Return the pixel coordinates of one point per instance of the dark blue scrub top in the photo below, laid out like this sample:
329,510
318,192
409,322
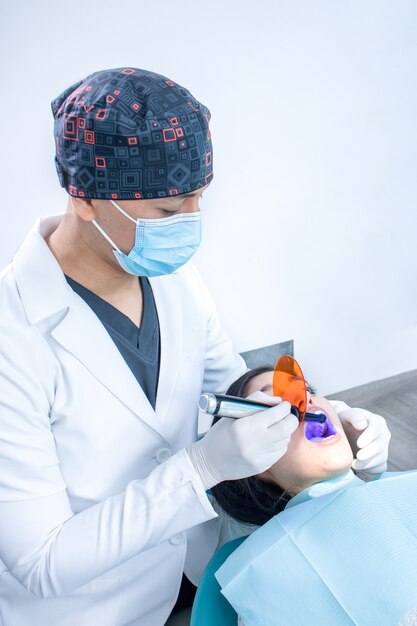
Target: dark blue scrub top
138,346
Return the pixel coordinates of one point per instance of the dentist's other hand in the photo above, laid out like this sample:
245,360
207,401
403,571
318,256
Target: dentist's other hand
368,435
237,448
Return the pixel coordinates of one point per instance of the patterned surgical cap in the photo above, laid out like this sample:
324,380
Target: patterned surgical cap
131,134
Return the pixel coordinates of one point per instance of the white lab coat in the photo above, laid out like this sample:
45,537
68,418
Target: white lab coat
97,494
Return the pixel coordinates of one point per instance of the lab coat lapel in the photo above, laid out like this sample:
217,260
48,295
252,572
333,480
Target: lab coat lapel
45,293
82,334
168,304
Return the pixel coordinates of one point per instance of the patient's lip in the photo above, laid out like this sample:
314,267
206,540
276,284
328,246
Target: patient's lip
329,441
313,431
318,409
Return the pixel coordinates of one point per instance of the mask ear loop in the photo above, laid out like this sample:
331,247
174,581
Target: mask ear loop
105,235
119,208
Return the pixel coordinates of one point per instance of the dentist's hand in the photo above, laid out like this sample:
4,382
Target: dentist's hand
237,448
368,436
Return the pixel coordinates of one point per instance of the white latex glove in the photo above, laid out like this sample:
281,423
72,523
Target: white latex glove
370,447
237,448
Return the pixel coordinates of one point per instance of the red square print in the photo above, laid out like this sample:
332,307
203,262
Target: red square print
71,127
169,134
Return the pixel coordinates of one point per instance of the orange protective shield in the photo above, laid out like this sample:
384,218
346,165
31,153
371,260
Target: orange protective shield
289,383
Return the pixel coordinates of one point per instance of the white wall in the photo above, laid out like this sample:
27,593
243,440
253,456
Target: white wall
311,221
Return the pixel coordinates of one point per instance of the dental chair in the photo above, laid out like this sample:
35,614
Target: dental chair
210,606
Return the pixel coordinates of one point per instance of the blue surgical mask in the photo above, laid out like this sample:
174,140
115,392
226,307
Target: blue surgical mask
161,245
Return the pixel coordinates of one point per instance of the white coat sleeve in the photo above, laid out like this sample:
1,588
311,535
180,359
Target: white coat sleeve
50,550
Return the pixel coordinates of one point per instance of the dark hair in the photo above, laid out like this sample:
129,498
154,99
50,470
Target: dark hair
250,500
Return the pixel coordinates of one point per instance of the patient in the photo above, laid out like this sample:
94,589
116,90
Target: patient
333,549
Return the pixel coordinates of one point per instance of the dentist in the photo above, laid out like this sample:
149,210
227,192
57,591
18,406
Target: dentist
107,338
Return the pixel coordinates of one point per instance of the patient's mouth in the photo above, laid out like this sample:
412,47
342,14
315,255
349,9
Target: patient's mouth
315,431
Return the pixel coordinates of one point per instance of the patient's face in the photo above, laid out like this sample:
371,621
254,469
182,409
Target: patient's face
310,458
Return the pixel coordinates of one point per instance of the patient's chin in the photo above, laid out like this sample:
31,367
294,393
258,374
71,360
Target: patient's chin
338,464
